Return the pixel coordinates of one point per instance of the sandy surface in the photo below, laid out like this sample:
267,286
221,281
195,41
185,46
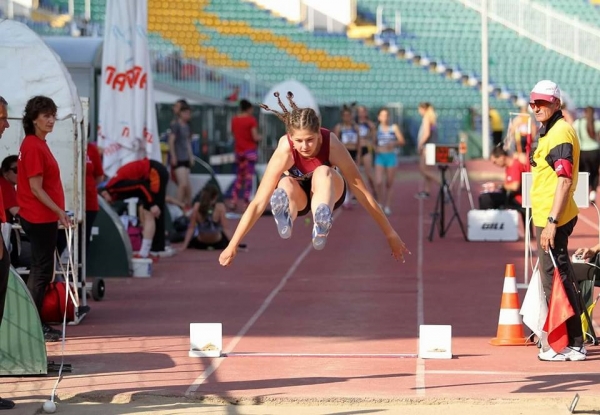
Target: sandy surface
157,405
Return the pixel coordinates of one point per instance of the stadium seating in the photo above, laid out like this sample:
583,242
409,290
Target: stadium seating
244,41
447,31
389,80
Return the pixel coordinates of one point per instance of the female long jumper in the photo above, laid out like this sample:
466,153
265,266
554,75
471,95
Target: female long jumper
302,176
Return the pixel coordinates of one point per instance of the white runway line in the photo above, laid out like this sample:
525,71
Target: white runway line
479,372
327,355
420,371
500,373
215,363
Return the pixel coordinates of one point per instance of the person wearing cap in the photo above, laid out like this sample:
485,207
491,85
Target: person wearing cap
555,168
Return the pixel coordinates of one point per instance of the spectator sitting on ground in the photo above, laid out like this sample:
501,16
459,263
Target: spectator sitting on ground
508,194
208,224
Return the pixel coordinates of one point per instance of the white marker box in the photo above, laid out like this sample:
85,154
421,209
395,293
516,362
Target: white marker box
435,342
206,339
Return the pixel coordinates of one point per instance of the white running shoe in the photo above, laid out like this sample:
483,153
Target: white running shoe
323,223
574,354
280,207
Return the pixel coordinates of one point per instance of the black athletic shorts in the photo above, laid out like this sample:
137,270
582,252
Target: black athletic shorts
306,185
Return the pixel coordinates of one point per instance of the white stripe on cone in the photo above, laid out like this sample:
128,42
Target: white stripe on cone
509,317
510,285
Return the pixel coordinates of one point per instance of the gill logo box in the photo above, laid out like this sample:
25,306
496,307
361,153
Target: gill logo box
493,225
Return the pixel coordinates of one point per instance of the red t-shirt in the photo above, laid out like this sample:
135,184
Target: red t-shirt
241,128
513,174
9,194
134,177
36,159
135,170
93,170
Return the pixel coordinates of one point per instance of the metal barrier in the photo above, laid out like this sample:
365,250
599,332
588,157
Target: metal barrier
193,75
546,26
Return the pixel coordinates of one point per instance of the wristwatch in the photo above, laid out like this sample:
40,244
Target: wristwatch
552,220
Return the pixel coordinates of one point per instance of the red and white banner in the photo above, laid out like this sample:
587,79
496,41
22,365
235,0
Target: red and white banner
127,129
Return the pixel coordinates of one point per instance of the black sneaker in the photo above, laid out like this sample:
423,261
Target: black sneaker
51,334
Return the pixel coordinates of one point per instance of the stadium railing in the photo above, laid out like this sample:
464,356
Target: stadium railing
544,25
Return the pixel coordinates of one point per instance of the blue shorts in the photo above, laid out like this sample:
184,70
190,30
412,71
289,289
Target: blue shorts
386,160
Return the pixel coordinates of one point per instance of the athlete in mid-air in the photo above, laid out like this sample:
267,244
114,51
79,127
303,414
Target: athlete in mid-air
303,175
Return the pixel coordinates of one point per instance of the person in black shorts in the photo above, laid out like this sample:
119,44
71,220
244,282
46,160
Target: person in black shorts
180,153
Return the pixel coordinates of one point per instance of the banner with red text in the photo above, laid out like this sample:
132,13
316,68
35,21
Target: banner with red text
127,129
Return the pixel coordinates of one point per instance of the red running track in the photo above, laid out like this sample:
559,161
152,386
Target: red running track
341,323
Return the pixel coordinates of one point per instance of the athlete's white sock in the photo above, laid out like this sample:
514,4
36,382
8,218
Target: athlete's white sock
145,249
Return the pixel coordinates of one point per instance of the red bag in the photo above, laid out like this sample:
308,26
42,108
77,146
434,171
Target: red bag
53,307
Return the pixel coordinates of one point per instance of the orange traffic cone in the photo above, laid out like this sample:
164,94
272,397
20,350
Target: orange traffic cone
510,326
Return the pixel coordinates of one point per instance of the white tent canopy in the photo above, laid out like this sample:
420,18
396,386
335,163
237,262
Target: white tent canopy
29,68
302,96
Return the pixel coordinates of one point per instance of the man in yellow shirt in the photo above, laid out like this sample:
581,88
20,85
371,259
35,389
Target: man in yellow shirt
497,126
555,168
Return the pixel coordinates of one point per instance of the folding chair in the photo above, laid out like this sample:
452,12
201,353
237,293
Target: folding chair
585,279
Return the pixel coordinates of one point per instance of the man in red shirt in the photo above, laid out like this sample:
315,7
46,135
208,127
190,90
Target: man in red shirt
508,194
4,258
245,133
147,180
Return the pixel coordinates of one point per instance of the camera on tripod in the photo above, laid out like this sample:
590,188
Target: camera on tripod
441,154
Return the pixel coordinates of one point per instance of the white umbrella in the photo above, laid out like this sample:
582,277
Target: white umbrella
302,96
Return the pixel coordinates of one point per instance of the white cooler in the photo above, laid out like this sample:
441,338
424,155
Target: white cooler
493,225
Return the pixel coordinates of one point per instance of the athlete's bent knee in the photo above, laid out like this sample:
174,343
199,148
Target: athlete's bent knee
286,183
322,171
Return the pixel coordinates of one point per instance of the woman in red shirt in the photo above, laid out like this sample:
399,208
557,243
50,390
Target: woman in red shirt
246,137
41,198
301,176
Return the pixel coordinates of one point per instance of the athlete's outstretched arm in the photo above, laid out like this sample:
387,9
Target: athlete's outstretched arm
279,162
340,157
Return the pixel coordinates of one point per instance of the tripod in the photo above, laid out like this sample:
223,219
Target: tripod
440,208
461,173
